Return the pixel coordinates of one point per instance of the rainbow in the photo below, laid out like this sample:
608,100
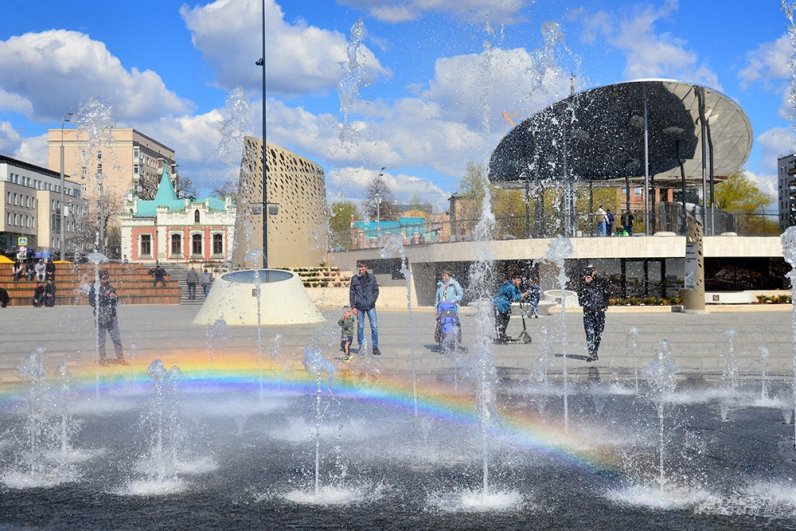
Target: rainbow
243,372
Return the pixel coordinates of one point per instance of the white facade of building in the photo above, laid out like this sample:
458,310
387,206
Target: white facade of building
31,208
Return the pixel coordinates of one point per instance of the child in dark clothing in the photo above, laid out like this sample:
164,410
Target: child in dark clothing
346,322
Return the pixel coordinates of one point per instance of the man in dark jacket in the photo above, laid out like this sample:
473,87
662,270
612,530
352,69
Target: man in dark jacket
593,295
192,279
159,275
104,304
362,296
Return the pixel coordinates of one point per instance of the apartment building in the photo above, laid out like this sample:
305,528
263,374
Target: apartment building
31,211
127,160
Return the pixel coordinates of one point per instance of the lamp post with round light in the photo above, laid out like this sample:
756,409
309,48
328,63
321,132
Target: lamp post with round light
62,209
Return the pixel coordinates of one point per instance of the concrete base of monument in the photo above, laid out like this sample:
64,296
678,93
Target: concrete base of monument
234,298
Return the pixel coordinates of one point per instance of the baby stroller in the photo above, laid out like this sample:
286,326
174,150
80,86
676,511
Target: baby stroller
448,333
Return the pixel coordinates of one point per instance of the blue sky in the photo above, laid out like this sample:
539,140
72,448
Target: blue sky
436,75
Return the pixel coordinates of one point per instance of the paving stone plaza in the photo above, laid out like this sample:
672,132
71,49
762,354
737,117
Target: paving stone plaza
698,341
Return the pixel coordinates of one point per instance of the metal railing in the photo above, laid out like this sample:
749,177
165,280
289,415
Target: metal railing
668,218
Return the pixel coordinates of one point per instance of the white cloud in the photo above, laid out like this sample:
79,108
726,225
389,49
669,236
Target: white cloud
649,54
502,80
476,11
774,143
195,140
33,150
767,62
46,73
350,183
9,138
767,184
299,58
442,130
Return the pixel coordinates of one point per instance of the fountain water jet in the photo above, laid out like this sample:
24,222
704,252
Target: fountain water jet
560,249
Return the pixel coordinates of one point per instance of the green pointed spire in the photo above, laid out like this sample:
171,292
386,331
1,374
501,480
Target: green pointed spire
165,189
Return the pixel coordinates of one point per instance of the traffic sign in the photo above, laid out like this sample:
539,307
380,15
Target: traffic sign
22,241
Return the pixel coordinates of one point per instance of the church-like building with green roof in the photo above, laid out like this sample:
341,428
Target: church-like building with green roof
168,229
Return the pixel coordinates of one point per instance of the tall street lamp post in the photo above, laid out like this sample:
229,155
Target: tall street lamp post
62,213
261,62
377,199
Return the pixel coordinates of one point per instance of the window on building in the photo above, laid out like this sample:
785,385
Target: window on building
218,244
10,220
9,198
135,169
16,219
196,216
196,244
176,244
146,245
16,199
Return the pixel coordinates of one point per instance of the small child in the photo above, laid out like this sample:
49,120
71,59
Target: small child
347,323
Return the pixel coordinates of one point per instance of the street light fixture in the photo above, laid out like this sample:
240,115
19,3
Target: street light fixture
67,118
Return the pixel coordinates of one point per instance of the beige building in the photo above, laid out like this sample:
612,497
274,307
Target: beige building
130,160
298,215
31,210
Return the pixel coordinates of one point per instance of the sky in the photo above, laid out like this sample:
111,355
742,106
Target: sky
416,87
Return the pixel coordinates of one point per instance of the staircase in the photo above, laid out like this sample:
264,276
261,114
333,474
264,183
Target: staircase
178,274
132,281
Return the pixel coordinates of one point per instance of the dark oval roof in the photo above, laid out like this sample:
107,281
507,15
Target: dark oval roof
603,129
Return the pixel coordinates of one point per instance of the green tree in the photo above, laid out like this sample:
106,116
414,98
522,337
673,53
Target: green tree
471,197
739,195
341,214
507,205
387,208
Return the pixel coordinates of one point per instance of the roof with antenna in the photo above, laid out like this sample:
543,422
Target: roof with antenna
598,135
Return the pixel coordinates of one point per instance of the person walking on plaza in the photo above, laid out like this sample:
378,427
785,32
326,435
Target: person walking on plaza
362,295
626,219
593,294
601,220
104,303
4,298
448,290
346,324
192,280
609,223
507,293
207,282
159,275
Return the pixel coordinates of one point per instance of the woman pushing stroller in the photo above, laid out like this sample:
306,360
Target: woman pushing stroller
449,295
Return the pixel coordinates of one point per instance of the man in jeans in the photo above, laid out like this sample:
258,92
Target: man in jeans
362,296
